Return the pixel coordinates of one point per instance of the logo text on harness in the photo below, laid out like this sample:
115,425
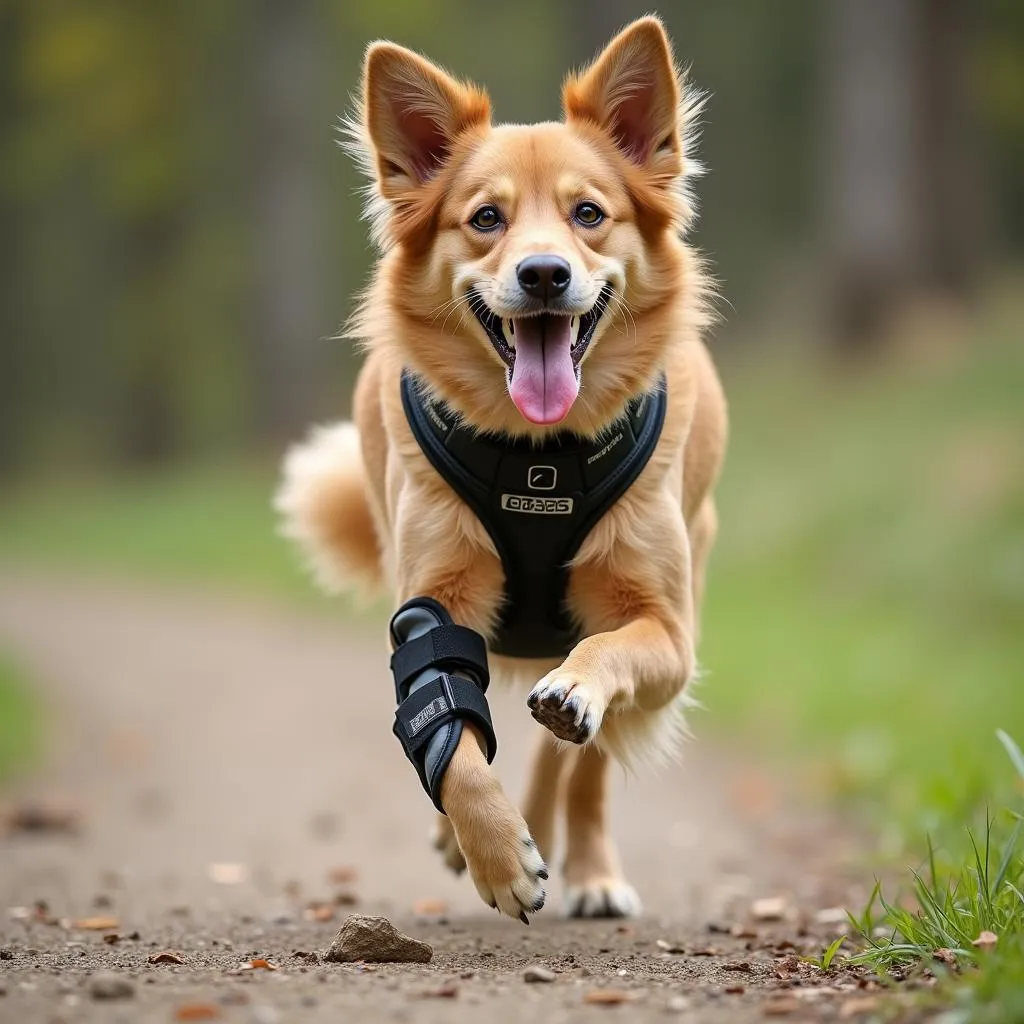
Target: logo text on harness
541,478
606,449
538,506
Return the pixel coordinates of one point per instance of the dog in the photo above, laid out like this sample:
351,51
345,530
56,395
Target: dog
535,282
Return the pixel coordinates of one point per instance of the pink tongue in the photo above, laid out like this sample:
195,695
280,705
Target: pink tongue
543,384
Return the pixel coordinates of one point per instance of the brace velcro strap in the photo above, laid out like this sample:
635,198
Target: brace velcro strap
442,700
448,648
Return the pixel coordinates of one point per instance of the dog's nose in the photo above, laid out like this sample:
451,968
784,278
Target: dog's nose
544,277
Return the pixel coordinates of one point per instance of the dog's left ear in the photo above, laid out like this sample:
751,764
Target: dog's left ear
632,92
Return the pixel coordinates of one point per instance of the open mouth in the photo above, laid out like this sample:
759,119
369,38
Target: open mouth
542,353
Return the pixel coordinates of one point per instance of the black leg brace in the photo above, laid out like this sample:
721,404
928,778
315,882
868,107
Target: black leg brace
441,676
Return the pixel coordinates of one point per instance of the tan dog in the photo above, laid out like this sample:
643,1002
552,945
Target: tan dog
598,206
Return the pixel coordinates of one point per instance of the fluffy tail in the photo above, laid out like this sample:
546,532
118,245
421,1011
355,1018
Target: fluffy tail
323,504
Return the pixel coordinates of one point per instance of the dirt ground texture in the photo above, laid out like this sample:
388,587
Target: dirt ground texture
239,793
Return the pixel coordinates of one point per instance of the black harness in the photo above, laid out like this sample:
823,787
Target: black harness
538,503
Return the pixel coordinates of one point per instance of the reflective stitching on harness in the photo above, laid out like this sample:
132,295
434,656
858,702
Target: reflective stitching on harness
538,503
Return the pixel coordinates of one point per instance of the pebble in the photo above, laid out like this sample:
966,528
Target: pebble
376,940
537,974
678,1004
107,985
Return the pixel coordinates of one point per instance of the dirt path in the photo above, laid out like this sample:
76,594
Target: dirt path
192,732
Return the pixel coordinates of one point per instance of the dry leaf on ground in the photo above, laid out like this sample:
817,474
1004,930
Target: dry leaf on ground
857,1007
781,1006
228,874
259,964
606,997
166,957
319,912
342,875
429,908
198,1011
95,924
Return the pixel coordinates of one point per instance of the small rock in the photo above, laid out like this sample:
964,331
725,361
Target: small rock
678,1004
535,974
265,1015
376,940
669,947
446,991
831,915
42,817
772,908
986,940
107,985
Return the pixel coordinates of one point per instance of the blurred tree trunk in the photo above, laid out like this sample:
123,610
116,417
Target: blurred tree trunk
286,209
901,191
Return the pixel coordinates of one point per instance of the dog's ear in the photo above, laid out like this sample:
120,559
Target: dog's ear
413,113
632,92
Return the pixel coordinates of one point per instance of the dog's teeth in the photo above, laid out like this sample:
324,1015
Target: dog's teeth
508,331
574,331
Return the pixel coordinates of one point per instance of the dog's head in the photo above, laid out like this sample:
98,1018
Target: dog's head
519,260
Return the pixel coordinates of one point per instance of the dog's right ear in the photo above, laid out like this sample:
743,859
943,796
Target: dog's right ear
413,113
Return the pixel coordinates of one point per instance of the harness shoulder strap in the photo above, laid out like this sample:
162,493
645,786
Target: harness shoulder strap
537,503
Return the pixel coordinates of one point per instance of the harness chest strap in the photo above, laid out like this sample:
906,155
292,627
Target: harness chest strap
538,503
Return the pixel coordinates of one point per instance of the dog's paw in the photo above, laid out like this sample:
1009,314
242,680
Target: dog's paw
445,842
510,875
562,704
602,897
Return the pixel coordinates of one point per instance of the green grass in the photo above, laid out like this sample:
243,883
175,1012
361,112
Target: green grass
964,920
207,524
866,602
19,720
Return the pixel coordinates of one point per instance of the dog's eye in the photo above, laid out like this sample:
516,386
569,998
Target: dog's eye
486,218
589,215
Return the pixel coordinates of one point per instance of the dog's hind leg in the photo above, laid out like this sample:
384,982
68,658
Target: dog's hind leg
545,789
594,886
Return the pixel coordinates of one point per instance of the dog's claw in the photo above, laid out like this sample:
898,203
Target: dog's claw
561,705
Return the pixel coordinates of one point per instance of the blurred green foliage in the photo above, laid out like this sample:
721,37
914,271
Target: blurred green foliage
865,597
19,719
145,143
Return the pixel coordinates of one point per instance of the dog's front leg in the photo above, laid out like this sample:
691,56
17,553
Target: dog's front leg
639,667
502,858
